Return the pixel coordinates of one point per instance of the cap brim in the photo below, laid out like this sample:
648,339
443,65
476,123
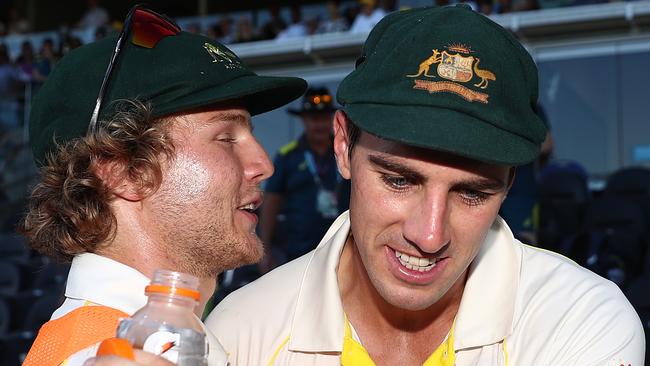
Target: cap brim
259,94
444,130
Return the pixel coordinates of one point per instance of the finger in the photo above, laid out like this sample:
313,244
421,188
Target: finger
110,361
146,358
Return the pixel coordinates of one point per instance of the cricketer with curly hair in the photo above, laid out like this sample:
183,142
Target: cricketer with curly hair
160,171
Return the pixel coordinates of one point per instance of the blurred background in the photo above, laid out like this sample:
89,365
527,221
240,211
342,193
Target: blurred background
587,197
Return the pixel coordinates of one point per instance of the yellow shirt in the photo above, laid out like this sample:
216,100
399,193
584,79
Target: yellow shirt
355,355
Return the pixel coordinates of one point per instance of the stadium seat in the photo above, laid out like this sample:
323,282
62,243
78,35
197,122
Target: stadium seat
5,317
14,347
41,311
612,241
51,277
634,184
563,198
19,305
9,279
13,247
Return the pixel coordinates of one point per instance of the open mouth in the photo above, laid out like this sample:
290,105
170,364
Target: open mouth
416,263
252,205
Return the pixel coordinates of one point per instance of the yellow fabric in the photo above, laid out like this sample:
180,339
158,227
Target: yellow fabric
275,354
355,355
81,328
284,150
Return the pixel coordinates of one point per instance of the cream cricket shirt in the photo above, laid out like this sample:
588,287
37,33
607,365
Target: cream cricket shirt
521,307
97,280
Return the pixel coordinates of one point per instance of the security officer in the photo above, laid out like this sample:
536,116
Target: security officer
306,193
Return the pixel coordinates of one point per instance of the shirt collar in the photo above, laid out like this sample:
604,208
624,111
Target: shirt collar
104,281
318,323
486,308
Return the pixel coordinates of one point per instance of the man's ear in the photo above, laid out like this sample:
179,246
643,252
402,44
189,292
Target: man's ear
114,177
342,143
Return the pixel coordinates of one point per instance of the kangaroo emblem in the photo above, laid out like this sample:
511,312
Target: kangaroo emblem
229,59
485,75
426,65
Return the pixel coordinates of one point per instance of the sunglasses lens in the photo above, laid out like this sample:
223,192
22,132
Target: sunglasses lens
149,28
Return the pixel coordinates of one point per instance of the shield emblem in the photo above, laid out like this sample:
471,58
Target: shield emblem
456,67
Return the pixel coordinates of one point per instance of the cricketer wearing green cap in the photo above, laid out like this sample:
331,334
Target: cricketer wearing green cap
421,271
148,162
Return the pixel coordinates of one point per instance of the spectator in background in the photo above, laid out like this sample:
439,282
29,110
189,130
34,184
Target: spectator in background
45,61
10,80
100,33
227,35
70,42
370,15
520,207
245,31
95,15
17,24
306,193
485,6
274,25
26,61
297,28
335,22
194,28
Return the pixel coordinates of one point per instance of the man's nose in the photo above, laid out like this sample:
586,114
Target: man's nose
428,225
258,167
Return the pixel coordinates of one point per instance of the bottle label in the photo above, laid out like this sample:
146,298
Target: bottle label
180,346
163,343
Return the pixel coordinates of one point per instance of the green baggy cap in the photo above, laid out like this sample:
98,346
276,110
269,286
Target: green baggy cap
448,79
181,72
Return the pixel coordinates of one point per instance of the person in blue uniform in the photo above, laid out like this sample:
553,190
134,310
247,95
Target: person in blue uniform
306,193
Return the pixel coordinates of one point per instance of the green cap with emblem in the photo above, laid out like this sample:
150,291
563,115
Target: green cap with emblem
448,79
181,72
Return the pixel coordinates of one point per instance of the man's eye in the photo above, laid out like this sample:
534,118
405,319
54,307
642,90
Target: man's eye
226,139
395,181
473,198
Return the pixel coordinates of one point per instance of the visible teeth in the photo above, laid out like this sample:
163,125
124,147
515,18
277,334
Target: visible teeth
248,207
415,263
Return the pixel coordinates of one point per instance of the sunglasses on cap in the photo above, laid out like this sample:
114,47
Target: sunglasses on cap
146,28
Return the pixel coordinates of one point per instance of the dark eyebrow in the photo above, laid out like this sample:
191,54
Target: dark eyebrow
395,167
482,184
478,184
233,117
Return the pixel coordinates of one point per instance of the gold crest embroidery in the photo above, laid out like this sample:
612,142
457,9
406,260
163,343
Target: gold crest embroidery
225,57
458,66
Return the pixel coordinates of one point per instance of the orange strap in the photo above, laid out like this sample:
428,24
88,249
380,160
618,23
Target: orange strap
63,337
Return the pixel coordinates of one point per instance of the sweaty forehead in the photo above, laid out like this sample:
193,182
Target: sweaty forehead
217,115
412,156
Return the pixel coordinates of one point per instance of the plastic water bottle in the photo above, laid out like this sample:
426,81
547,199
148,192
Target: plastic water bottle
167,326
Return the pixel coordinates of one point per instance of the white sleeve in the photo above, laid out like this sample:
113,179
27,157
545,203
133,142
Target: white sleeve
603,331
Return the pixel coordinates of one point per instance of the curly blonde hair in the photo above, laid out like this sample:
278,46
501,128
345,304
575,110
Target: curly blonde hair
69,211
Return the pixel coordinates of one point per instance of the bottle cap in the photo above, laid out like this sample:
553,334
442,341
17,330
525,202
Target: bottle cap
174,284
116,347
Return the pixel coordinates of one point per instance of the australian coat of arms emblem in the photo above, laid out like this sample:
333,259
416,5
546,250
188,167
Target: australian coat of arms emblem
458,66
